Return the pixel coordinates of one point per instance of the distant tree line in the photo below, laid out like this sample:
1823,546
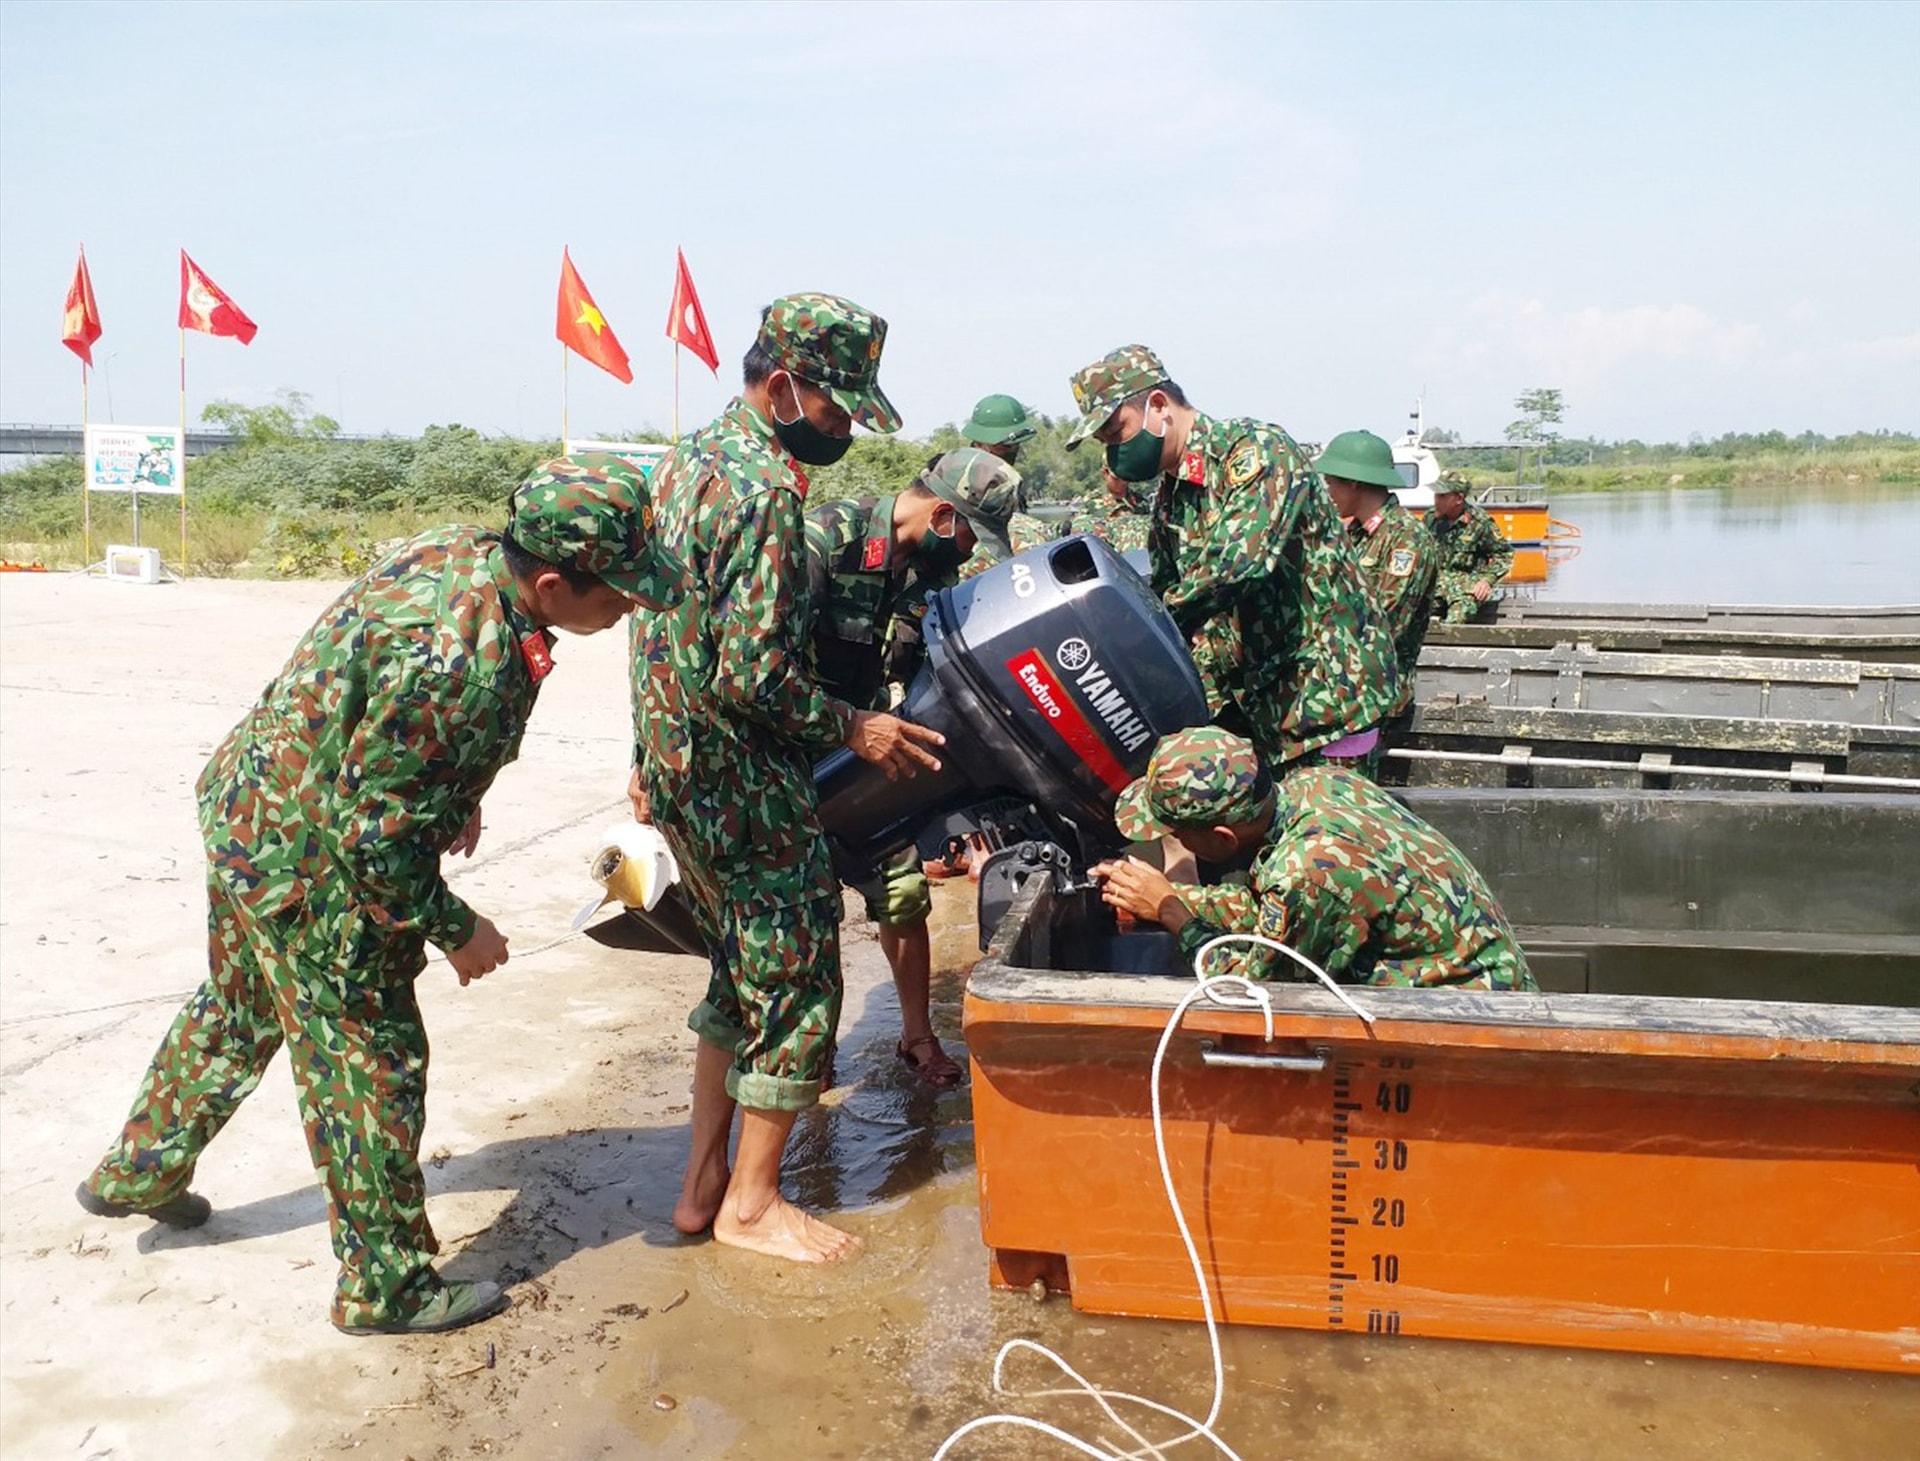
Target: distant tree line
289,471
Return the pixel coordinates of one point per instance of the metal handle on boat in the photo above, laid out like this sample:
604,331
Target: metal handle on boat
1212,1054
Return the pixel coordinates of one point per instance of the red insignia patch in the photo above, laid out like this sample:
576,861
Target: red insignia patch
534,650
1193,467
876,554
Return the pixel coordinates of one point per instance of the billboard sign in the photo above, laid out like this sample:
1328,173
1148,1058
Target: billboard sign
146,459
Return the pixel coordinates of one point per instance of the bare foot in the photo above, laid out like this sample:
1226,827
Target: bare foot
701,1194
782,1230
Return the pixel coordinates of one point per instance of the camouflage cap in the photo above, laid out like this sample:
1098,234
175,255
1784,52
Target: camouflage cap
998,421
982,487
1101,388
592,511
1451,481
832,343
1203,777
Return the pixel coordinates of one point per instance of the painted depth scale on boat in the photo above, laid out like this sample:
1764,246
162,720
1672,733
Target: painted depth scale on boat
1729,1177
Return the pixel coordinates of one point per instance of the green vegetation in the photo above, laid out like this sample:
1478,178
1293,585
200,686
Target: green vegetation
1587,464
1603,466
286,501
291,500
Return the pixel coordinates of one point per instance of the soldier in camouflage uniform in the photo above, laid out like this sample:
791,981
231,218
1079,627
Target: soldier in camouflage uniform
1024,531
1474,554
730,722
1124,519
872,565
1250,560
1397,557
1342,872
999,425
326,814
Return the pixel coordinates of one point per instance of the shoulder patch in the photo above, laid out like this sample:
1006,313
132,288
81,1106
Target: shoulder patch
875,555
1400,562
1272,920
1245,463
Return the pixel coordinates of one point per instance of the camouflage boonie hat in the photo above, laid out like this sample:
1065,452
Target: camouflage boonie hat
1450,481
980,486
1101,388
998,421
1204,777
832,343
592,511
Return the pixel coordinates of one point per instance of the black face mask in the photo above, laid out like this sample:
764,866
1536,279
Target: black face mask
806,442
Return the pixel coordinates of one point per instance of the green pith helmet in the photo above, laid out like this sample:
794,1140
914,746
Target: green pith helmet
1360,456
998,421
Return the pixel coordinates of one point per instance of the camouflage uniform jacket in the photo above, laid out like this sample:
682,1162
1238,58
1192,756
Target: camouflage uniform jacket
730,718
1365,889
866,613
1472,547
1025,530
1249,557
368,753
1124,529
1398,559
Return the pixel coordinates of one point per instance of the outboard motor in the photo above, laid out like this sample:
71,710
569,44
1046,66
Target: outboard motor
1052,676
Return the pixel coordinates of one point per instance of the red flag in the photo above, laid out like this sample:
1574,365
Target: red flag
583,329
81,326
204,306
687,322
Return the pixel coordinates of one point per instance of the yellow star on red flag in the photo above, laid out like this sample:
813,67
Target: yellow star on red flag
583,329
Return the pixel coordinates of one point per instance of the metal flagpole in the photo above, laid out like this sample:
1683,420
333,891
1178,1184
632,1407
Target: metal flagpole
181,485
86,497
565,404
676,393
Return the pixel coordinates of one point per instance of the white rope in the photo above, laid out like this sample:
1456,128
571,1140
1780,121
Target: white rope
1230,991
1200,959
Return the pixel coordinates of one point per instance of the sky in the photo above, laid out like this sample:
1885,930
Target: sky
1688,218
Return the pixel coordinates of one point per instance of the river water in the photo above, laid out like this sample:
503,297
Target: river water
1766,543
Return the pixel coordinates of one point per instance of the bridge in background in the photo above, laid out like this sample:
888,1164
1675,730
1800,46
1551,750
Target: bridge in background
20,440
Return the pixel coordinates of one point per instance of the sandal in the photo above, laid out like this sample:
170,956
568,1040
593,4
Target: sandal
926,1059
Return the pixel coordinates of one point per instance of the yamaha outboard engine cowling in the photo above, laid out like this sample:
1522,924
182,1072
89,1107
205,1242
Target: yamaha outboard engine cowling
1052,676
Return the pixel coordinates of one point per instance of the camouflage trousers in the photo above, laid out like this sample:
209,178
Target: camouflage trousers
897,896
773,998
1453,601
359,1058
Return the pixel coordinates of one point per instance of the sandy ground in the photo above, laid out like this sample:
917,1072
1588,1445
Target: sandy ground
555,1136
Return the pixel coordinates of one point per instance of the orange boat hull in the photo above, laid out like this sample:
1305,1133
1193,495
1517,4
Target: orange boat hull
1521,524
1742,1195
